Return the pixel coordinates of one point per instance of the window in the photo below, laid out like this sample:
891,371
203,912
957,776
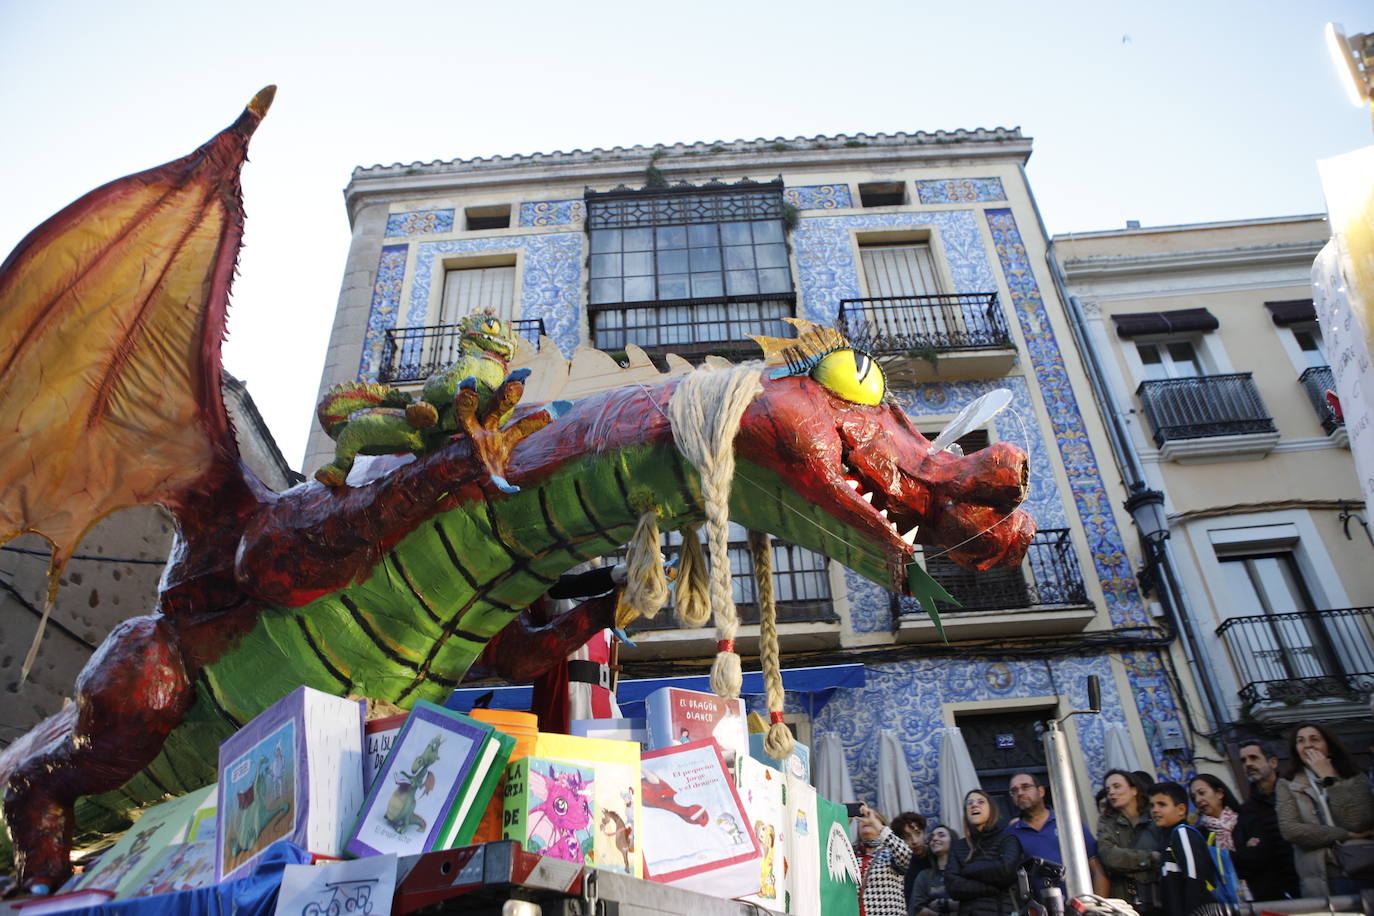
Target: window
1169,359
494,217
882,194
903,269
690,267
1308,337
469,289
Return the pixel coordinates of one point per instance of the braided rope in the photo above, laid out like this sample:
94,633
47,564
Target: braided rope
692,597
646,587
778,741
705,411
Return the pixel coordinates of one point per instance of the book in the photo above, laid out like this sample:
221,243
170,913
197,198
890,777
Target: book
823,869
612,730
522,726
61,903
761,790
426,795
695,832
616,803
378,737
677,716
181,867
797,763
294,773
122,868
548,808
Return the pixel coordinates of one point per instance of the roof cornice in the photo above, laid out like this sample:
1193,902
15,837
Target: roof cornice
1304,251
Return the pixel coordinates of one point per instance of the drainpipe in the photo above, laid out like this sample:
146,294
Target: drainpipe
1177,608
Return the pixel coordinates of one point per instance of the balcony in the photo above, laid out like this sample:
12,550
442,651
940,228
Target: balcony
411,355
1208,418
928,337
1049,581
692,328
1284,660
1316,382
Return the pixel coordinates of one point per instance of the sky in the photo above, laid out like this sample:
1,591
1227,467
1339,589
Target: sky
1164,112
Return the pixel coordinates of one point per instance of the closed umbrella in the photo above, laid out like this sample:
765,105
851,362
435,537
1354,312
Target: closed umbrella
895,793
1117,750
832,772
957,776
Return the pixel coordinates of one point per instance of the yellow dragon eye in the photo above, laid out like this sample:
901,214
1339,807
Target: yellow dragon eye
852,375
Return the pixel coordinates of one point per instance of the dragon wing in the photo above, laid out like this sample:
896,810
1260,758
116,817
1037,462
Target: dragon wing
112,314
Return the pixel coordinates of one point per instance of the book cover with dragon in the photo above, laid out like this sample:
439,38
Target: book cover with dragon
676,716
616,802
549,808
122,868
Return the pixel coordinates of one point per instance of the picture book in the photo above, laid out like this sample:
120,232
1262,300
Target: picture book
797,763
294,773
121,869
677,716
424,785
616,799
549,810
181,867
378,736
822,867
761,790
695,832
612,730
522,727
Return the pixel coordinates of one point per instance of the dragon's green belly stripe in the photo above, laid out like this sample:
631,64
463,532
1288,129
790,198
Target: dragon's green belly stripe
418,622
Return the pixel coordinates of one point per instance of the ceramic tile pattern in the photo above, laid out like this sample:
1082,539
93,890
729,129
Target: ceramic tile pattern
819,197
960,190
552,213
419,222
386,302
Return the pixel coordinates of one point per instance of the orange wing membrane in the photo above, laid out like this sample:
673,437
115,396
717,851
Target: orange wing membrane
111,319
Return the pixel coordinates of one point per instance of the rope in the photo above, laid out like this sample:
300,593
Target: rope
693,586
778,741
646,587
705,411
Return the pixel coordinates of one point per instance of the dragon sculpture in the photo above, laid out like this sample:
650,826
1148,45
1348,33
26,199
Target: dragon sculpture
391,589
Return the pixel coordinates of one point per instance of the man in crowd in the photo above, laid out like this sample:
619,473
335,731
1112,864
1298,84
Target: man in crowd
1263,858
1038,830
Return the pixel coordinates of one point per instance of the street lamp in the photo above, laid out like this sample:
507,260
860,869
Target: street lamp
1354,60
1147,511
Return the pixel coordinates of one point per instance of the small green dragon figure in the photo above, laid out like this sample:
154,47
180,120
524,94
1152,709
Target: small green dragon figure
391,589
366,418
253,815
410,786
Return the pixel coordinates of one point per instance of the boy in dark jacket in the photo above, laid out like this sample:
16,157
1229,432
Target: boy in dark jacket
1186,871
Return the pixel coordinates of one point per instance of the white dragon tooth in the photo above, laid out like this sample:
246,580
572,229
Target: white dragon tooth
868,497
853,484
883,513
910,536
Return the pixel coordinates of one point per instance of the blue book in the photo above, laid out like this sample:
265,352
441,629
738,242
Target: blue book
797,764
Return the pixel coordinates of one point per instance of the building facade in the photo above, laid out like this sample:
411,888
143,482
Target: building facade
928,250
1219,378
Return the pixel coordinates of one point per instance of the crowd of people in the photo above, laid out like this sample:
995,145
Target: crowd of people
1307,831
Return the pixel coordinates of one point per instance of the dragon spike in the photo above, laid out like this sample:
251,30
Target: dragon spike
811,339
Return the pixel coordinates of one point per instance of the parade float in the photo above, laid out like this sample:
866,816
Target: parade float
388,590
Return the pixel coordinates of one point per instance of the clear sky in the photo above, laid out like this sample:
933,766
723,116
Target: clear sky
1165,112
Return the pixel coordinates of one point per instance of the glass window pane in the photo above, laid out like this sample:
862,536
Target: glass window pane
768,231
735,234
741,282
775,281
706,286
673,286
705,259
639,289
672,262
740,258
638,239
771,255
672,237
605,240
1184,359
639,264
702,235
605,291
605,265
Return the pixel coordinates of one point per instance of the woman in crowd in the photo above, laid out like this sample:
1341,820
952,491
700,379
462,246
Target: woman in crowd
928,896
883,860
1218,809
980,872
1127,842
1324,801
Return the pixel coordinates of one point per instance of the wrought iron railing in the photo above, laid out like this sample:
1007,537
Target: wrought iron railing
414,354
1050,577
1303,655
1317,381
1202,406
906,324
692,327
801,586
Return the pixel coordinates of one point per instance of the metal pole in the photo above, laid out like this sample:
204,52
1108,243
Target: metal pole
1072,850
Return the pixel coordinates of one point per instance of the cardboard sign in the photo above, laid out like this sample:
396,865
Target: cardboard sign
359,887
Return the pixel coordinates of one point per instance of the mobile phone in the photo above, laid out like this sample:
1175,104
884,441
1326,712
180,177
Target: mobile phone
854,809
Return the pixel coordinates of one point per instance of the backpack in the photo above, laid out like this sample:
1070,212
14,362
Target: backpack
1225,883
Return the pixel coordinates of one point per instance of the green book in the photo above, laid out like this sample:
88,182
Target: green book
549,808
460,826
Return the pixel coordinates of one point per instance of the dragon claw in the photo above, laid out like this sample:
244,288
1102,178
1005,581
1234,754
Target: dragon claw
504,485
519,375
468,384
